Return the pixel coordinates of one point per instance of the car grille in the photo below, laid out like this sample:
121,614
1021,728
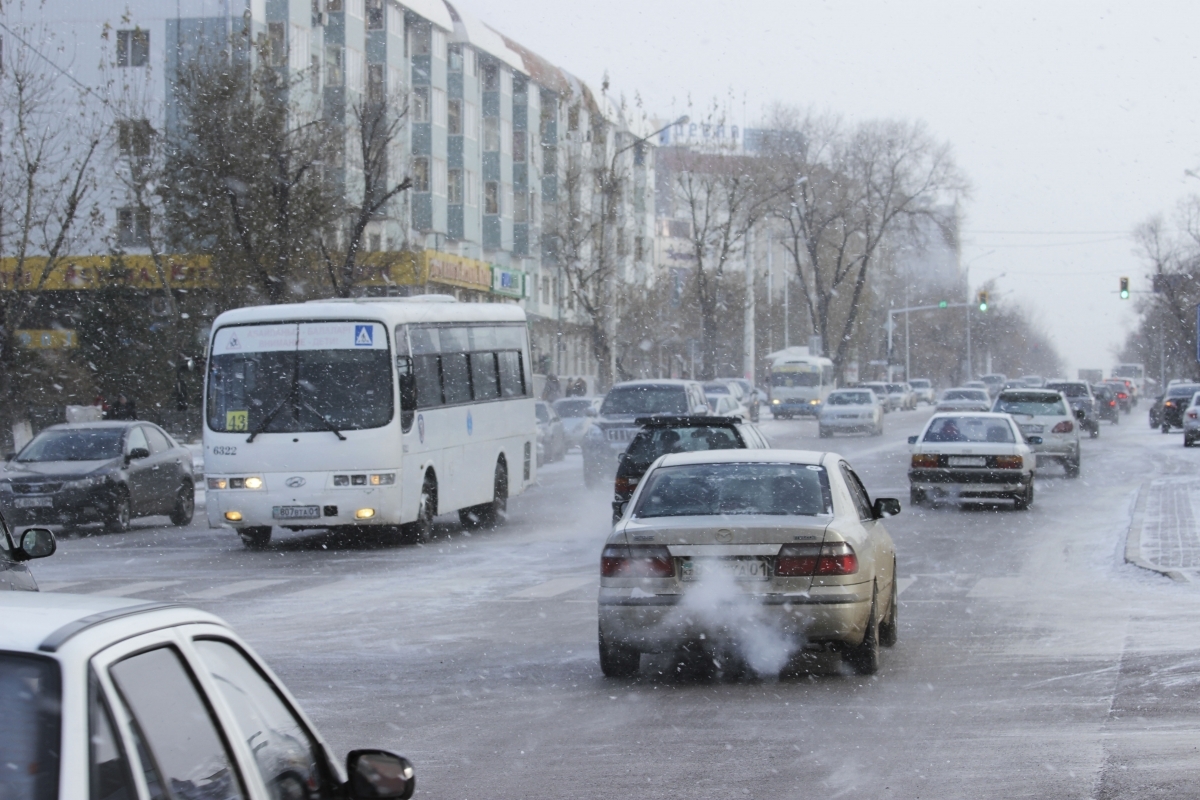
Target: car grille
621,434
36,488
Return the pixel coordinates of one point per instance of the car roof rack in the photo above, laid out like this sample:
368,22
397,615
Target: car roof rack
58,638
669,421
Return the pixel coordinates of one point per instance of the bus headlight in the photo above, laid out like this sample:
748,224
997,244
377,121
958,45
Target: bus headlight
254,483
364,513
233,516
217,483
775,401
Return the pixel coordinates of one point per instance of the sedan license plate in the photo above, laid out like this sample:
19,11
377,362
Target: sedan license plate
968,461
33,502
739,569
296,512
1032,428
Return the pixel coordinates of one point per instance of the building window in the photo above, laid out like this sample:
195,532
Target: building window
375,85
374,243
314,73
276,44
491,134
133,137
420,36
335,72
521,207
455,58
454,187
549,160
420,104
573,118
133,48
639,248
333,6
133,227
520,146
454,117
491,197
545,290
491,77
374,15
420,175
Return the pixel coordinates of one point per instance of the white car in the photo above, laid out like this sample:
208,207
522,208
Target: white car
113,697
1045,414
923,389
721,551
850,411
575,416
725,405
964,399
1191,422
971,457
732,388
900,396
881,391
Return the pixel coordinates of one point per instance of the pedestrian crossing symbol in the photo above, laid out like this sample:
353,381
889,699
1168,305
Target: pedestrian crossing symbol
364,336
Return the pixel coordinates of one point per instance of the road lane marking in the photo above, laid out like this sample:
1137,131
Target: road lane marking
135,588
237,587
552,588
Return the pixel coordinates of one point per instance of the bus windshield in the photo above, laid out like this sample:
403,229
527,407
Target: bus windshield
260,383
794,380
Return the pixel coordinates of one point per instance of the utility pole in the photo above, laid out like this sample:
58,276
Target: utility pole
970,368
748,309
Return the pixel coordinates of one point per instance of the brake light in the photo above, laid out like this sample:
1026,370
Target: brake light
805,560
1112,402
924,460
651,561
1122,395
1066,426
1008,462
1192,414
624,486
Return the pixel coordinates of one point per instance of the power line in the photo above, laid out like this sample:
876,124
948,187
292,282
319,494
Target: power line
49,61
1049,233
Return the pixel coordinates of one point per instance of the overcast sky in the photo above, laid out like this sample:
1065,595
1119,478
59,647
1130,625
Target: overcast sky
1074,120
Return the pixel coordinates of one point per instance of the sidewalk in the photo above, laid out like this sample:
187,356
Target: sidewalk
1165,532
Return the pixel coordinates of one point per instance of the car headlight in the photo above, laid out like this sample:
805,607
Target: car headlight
775,401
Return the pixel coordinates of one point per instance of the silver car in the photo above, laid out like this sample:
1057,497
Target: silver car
576,414
1045,414
1191,422
971,457
964,399
749,557
850,411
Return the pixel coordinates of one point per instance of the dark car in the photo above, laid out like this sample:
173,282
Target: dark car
615,425
1079,395
15,550
107,472
1174,402
1106,403
1124,394
662,435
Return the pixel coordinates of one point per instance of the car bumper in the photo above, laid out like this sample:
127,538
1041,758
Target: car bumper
68,507
257,507
848,424
658,623
970,483
797,407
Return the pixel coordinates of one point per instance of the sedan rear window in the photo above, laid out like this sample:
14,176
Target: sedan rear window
638,400
652,443
1070,389
736,489
30,698
970,429
965,394
1036,404
1183,390
95,444
851,399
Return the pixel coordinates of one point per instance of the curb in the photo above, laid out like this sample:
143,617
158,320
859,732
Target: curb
1133,541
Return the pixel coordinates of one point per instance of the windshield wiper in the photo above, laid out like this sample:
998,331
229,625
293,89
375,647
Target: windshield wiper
329,426
262,426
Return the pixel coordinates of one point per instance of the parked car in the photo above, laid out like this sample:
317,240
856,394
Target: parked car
964,399
614,427
791,535
1176,400
108,472
971,457
113,697
16,550
1045,414
662,435
923,389
1079,396
550,433
850,411
1106,403
880,390
576,415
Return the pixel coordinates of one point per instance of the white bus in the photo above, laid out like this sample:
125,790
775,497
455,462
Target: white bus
367,412
799,382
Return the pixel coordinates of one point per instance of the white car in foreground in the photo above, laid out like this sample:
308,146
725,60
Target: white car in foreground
964,399
971,457
749,556
113,697
850,411
1044,413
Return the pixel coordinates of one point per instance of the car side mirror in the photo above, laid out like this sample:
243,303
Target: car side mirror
885,507
1080,413
136,453
379,775
1033,440
912,440
35,543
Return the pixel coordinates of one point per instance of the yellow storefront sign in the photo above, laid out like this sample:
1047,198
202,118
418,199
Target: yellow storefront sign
427,266
53,339
83,273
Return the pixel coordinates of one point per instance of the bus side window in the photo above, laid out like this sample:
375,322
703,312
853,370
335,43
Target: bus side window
512,377
408,392
483,376
428,381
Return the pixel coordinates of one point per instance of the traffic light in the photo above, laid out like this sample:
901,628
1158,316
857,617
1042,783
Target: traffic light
943,304
983,301
1124,288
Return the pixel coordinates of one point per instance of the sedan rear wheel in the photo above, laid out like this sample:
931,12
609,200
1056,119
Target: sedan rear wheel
864,658
889,626
916,497
1023,501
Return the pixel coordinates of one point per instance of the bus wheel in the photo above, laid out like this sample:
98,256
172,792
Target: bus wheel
256,538
421,529
495,513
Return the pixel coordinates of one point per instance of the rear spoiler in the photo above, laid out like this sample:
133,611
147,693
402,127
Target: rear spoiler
668,421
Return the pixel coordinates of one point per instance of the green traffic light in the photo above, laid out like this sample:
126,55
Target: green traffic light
1124,294
942,304
983,306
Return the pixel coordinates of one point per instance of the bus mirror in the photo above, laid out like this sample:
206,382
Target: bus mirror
404,365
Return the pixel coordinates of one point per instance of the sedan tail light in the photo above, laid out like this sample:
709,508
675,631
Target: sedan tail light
1066,426
1192,414
650,561
1008,462
806,560
924,460
1112,402
624,486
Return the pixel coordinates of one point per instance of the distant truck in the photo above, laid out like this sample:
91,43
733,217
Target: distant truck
1091,375
1135,373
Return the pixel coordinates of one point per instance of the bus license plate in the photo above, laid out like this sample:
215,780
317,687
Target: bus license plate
33,502
296,512
739,569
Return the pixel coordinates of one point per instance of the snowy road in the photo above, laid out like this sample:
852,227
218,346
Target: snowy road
1032,661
